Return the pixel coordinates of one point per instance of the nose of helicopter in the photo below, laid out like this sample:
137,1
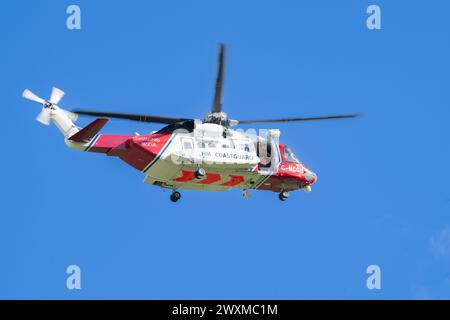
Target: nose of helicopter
310,176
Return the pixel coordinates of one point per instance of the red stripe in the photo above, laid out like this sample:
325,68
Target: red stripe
234,180
187,176
211,178
106,142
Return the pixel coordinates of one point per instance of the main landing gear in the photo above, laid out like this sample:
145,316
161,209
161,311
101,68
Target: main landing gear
175,196
284,195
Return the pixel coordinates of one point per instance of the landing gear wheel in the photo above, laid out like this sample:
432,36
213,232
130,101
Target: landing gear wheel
284,195
200,173
175,196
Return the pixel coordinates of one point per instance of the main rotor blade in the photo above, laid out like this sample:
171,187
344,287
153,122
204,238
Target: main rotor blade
217,103
56,95
71,115
128,116
343,116
27,94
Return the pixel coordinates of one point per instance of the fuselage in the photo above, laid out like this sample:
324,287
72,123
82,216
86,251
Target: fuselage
231,159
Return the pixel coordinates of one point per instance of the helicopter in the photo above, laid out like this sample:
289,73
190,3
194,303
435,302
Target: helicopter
194,154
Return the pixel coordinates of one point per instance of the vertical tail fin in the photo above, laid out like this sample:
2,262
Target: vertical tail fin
88,133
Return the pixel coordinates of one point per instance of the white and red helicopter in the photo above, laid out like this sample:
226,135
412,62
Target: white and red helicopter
191,154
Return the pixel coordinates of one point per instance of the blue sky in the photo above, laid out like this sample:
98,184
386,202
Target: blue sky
382,196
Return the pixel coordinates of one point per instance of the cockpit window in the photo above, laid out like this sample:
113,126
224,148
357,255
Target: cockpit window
289,156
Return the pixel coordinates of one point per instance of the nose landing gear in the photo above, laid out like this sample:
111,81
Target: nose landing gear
175,196
284,195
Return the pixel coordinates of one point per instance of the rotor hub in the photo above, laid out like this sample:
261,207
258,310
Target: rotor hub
217,118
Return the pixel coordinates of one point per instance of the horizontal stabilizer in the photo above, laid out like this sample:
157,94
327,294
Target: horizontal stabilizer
87,133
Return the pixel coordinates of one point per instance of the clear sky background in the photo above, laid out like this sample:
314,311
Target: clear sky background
382,196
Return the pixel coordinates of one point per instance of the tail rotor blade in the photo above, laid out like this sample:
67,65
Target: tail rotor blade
49,106
56,96
27,94
44,116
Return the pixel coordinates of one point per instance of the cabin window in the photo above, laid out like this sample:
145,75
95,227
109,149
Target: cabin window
245,147
201,145
227,144
187,144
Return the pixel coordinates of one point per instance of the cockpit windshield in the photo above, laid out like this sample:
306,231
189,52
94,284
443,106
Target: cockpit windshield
290,156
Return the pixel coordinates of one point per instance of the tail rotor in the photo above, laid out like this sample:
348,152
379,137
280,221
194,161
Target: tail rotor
48,106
